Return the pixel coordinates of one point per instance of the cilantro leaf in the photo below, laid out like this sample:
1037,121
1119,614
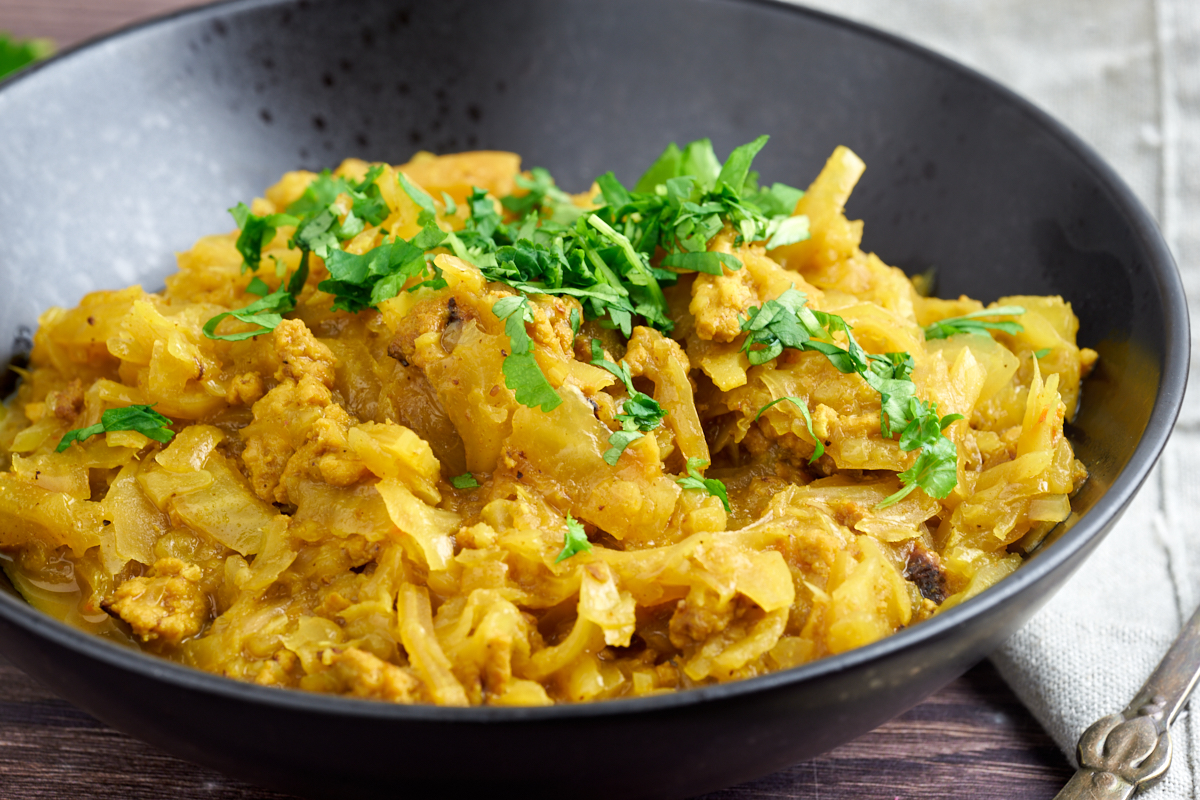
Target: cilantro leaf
1045,351
575,541
778,201
935,471
464,481
421,198
266,312
786,230
256,233
142,419
737,166
665,167
258,286
521,371
709,262
700,161
775,325
358,282
974,324
639,414
819,450
711,486
786,322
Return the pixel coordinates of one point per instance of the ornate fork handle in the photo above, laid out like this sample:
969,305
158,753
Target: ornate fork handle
1122,753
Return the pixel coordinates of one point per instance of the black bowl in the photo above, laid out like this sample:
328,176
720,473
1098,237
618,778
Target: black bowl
117,154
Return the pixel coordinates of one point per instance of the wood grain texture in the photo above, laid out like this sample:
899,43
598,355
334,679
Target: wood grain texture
971,740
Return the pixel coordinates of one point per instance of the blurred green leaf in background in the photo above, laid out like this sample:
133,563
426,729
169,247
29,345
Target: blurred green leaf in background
18,53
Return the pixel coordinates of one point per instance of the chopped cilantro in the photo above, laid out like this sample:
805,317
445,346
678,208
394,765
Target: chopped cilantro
552,246
358,282
1045,351
974,324
142,419
639,414
798,403
575,540
256,233
521,371
258,286
787,322
464,481
935,471
696,480
266,312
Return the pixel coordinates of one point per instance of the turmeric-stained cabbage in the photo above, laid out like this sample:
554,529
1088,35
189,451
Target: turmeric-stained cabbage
360,498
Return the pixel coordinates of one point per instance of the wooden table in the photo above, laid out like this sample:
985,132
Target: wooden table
971,740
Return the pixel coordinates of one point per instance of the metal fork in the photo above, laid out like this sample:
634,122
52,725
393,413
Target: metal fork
1122,753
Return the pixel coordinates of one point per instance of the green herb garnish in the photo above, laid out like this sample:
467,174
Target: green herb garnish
256,233
464,481
974,323
359,282
711,486
142,419
319,231
819,450
575,541
521,371
787,322
639,414
603,258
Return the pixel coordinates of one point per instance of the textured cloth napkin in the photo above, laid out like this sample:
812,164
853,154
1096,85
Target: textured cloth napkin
1125,76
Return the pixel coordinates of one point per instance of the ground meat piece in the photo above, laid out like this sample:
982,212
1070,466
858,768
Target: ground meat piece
67,403
365,675
698,617
167,604
301,355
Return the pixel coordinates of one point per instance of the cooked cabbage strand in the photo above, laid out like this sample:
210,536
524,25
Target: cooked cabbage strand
469,439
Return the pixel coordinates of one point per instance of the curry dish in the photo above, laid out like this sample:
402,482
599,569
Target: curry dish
442,433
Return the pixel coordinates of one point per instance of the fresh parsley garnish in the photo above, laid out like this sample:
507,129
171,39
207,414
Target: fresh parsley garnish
359,282
639,414
711,486
575,541
521,371
464,481
318,230
787,322
142,419
605,258
798,403
17,54
266,312
974,323
1045,351
256,233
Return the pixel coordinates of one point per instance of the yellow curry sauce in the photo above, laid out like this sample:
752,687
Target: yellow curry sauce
305,528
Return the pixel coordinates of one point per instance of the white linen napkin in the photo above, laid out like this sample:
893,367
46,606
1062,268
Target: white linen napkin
1125,76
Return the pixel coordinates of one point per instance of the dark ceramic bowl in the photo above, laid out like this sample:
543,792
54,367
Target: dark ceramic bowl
116,155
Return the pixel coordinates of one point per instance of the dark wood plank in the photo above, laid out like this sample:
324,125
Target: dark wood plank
69,22
973,739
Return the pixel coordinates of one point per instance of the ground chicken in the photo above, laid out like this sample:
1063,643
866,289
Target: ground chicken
166,604
365,675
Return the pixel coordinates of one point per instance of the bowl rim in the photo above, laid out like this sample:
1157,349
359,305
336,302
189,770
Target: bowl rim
1087,531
